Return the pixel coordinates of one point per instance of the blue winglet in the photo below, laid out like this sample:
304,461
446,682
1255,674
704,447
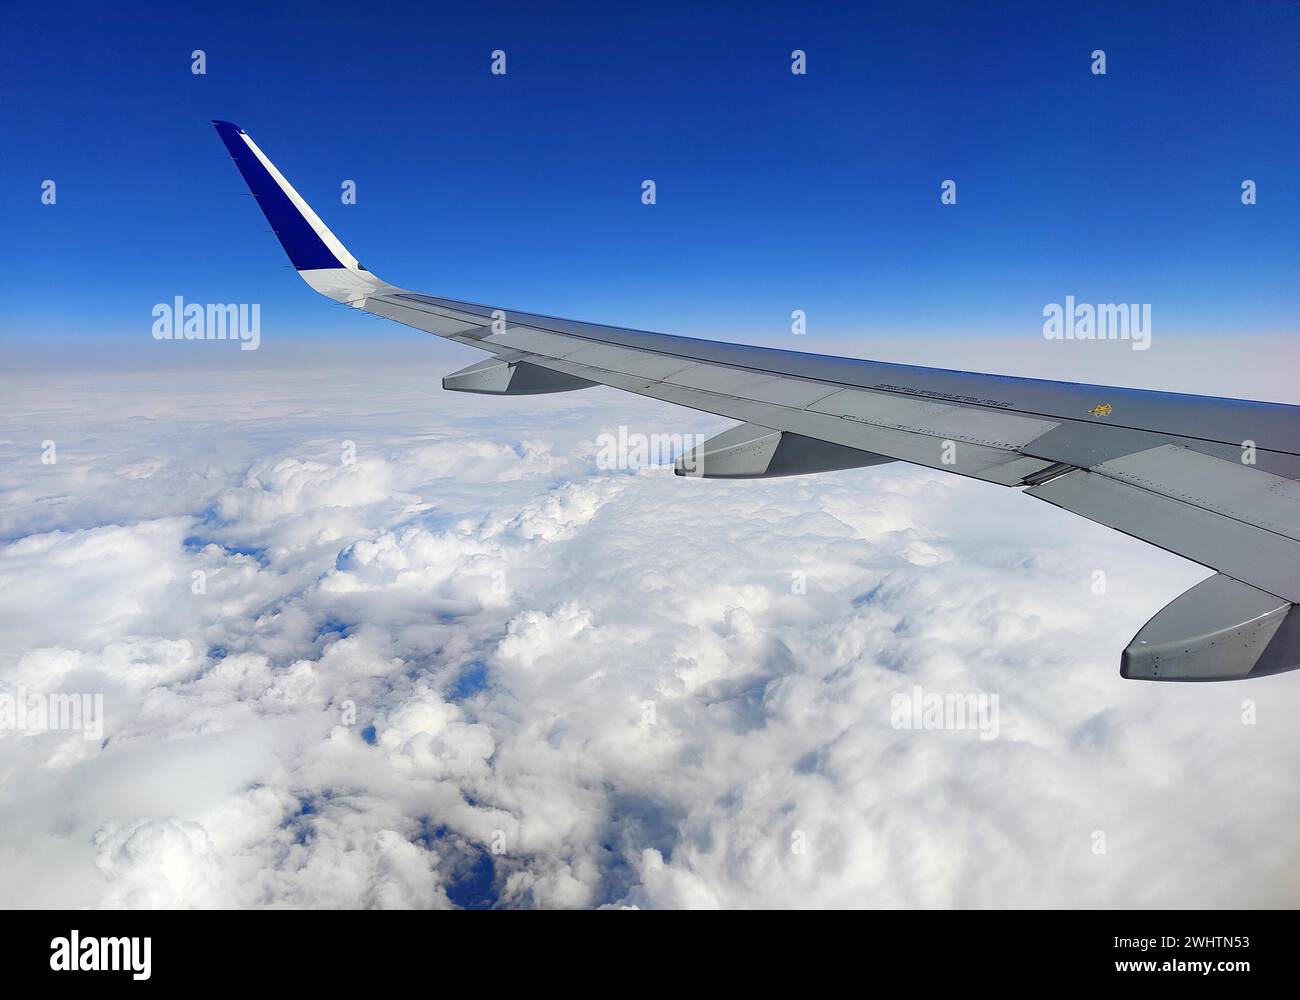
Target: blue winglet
297,235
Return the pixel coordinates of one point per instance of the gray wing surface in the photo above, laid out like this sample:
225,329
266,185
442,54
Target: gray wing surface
1210,479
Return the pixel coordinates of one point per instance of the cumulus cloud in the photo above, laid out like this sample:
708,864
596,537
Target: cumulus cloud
429,655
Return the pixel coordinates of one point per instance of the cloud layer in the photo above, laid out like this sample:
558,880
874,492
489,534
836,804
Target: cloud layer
365,643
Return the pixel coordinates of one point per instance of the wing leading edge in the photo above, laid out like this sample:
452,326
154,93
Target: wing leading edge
1211,479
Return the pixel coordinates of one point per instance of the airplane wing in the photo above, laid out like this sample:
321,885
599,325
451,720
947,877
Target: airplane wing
1213,480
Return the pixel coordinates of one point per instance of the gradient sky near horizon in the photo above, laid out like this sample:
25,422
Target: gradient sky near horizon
775,191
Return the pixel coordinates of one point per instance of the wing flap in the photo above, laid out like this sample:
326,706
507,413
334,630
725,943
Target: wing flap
1243,551
995,465
793,392
1234,490
991,428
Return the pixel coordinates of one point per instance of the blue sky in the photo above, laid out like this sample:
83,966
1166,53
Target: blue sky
775,192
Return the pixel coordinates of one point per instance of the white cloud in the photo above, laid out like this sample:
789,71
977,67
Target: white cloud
468,667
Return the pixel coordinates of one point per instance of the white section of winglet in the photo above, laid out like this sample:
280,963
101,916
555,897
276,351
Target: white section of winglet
349,287
329,239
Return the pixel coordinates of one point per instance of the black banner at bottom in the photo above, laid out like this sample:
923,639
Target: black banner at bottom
351,949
